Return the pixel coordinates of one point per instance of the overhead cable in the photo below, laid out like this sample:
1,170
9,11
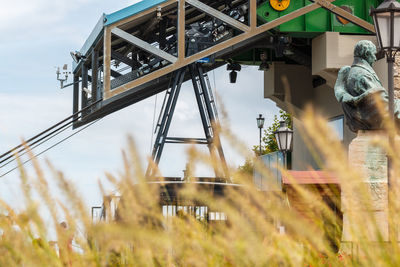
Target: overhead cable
47,149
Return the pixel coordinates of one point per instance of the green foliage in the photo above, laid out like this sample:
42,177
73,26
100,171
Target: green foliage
297,227
247,167
268,141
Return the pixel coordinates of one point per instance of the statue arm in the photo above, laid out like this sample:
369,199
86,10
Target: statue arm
368,86
340,87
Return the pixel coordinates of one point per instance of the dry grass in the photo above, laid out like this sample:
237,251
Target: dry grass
250,236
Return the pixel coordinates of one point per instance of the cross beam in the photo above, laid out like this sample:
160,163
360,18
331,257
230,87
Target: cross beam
182,61
219,15
143,45
344,14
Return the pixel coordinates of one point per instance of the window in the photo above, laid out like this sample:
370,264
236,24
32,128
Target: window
337,124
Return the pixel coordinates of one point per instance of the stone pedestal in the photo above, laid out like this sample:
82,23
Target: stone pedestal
365,200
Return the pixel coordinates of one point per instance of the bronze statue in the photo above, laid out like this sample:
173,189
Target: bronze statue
358,89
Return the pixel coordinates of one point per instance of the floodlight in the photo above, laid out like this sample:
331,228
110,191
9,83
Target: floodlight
77,56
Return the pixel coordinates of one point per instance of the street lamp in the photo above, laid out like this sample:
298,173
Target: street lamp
260,125
387,26
284,137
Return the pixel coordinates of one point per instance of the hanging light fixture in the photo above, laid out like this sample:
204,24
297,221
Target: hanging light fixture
387,26
264,66
77,56
233,67
284,137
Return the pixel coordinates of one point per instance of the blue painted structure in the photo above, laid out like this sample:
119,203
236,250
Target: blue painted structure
107,20
131,10
272,182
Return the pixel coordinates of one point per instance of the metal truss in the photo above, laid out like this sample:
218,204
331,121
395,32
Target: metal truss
247,32
208,114
125,37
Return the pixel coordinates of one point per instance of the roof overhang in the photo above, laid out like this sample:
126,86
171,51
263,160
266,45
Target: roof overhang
309,178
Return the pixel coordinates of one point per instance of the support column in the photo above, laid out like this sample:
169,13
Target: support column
95,73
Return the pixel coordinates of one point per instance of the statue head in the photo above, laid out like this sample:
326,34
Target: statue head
366,50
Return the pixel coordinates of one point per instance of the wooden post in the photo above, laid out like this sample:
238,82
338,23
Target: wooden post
253,14
181,30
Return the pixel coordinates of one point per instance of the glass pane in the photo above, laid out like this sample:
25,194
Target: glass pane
337,125
278,141
284,140
397,30
384,28
289,140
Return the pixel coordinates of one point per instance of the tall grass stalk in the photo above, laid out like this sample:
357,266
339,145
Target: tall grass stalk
143,236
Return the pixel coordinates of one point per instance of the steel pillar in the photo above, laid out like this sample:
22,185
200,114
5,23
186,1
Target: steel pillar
208,115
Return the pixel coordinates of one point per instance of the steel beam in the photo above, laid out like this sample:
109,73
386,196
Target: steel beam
219,15
121,58
115,74
181,29
85,78
95,71
143,45
75,103
344,14
144,13
182,140
214,49
107,63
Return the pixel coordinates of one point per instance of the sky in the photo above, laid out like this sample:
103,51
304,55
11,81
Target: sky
37,36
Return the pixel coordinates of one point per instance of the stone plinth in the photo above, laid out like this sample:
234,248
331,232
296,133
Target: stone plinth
366,197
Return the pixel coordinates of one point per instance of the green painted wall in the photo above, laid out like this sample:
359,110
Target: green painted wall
319,20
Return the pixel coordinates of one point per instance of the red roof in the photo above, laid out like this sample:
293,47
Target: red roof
309,177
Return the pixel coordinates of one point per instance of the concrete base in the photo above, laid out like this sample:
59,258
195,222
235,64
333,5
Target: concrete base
365,202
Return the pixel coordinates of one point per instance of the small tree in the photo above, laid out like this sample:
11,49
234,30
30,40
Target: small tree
268,141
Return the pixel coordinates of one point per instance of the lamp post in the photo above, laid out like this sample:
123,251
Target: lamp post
260,125
387,26
284,137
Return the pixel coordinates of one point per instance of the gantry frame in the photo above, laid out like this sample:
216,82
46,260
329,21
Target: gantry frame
101,53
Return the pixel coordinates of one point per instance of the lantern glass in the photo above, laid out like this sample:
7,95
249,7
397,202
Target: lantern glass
283,141
284,137
278,141
396,34
289,140
260,122
383,20
387,24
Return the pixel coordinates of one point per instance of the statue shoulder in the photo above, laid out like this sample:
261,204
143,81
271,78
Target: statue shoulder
340,86
344,72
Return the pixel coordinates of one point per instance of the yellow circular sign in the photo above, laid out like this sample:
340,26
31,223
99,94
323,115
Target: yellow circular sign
279,5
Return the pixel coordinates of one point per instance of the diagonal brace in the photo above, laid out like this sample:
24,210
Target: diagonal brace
143,45
219,15
346,15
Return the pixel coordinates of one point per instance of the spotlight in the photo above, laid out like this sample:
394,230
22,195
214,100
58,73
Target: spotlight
264,66
233,67
77,56
233,76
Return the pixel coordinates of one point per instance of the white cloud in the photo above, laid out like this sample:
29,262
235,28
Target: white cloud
28,104
44,20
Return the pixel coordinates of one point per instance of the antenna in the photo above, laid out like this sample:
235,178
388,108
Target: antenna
62,76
